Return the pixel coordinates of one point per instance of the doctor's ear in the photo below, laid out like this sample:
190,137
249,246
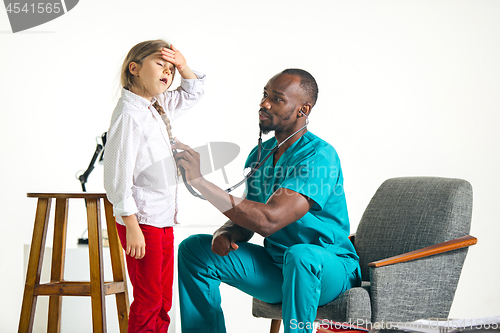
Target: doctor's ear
305,110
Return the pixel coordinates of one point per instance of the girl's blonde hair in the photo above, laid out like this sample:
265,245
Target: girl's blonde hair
137,54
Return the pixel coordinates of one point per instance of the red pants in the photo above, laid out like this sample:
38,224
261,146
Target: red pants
152,278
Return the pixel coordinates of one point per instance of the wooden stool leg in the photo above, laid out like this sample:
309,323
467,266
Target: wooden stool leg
57,268
34,265
96,265
275,325
118,267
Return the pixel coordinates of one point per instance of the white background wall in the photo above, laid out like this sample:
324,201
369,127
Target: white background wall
407,88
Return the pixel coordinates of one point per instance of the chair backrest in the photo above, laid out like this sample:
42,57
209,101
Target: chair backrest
410,213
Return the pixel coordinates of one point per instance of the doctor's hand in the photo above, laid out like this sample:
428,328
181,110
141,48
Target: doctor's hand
223,243
188,159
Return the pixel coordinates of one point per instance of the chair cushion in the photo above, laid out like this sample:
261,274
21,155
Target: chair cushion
352,305
262,309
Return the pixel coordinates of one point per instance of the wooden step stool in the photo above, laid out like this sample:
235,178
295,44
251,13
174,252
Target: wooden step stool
58,287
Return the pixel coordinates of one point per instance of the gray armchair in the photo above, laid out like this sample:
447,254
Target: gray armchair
412,241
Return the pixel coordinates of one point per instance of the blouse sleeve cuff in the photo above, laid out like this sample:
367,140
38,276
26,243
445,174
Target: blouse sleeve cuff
193,84
125,207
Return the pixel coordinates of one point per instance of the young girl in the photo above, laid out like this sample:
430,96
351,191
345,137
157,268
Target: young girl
140,176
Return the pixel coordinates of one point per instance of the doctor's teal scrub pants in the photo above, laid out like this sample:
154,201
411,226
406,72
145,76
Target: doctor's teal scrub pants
311,276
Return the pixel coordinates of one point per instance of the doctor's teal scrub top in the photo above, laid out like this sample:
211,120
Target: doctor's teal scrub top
311,167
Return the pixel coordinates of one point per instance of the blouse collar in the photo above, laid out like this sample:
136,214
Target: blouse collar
137,100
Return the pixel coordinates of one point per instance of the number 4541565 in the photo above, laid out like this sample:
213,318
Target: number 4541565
40,8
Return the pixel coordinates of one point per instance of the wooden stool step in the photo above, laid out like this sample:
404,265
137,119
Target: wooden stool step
96,288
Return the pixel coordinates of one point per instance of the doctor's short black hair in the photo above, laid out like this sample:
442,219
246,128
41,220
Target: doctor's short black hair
307,83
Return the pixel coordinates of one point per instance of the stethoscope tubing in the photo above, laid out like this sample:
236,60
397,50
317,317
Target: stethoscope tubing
254,169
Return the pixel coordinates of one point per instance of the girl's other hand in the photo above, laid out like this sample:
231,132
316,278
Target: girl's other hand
136,244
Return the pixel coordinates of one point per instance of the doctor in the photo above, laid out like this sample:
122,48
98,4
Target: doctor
295,200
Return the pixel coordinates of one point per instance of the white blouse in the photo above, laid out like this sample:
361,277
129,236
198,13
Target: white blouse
140,176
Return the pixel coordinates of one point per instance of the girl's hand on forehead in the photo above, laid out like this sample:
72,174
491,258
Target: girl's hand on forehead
174,56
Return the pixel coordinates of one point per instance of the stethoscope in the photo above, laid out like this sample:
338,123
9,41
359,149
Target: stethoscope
252,170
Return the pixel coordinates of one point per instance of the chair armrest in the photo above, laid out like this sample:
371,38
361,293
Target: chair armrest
454,244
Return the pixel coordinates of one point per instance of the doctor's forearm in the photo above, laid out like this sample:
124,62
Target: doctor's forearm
255,216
